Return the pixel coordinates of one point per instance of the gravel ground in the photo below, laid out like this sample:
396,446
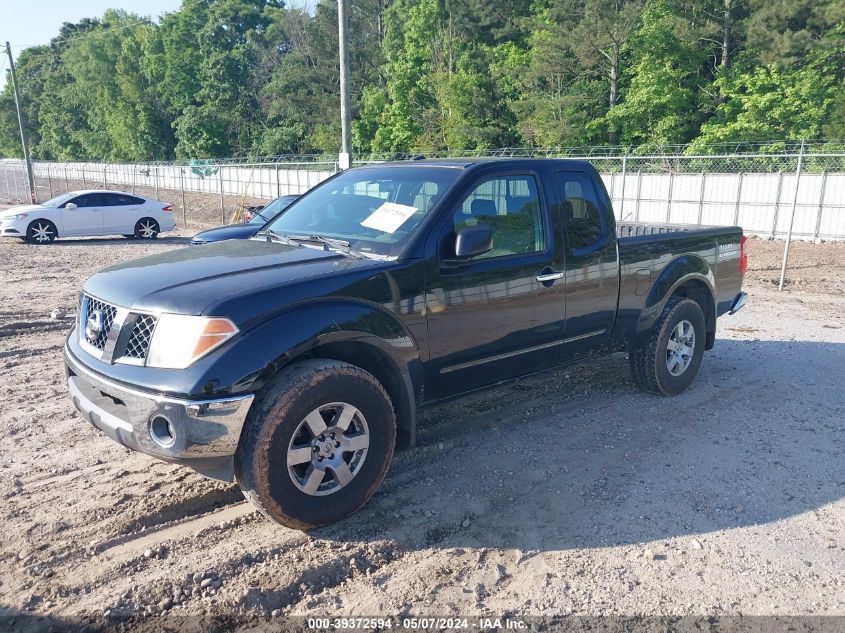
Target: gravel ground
570,492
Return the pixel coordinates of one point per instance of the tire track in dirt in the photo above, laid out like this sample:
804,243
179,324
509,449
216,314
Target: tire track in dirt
125,548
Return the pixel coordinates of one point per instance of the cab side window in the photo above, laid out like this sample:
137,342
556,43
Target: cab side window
581,209
510,206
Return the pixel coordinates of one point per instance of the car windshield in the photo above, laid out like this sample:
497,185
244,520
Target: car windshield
262,216
374,209
58,201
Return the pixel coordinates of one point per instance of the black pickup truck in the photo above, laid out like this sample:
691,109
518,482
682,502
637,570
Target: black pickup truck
296,361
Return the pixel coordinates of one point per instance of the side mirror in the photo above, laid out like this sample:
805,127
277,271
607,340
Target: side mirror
472,241
70,205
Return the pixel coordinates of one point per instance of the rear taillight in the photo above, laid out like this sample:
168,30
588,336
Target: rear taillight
169,208
743,256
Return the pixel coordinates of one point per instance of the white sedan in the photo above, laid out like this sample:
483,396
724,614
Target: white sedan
88,213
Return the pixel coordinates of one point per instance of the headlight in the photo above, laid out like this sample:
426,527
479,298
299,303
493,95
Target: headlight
19,216
180,340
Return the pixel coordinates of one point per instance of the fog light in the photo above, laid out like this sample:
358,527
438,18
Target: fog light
162,432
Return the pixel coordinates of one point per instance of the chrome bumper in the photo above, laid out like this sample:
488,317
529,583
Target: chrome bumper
202,434
738,302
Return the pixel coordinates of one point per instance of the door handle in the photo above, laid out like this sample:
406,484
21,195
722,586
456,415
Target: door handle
547,277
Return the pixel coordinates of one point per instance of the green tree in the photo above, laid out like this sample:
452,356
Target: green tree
122,120
783,32
32,71
774,102
301,99
661,102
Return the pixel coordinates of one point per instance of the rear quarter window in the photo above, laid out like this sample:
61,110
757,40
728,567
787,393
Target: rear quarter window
121,199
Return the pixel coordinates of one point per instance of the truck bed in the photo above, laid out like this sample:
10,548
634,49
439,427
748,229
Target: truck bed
639,232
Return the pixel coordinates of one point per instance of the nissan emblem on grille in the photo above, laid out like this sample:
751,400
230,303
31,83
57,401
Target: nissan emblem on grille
99,317
94,325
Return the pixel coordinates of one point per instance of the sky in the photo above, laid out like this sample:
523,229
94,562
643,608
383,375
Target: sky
26,23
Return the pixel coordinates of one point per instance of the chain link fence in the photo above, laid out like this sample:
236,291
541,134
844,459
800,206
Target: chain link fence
765,193
203,193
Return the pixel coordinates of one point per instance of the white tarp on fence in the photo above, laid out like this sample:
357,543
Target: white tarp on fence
761,203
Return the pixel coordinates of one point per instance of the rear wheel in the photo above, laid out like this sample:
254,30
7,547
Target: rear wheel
670,359
41,232
146,229
317,443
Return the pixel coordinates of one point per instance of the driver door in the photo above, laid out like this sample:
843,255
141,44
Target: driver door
500,314
86,218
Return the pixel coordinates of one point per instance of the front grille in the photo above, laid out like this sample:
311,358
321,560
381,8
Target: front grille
142,333
108,311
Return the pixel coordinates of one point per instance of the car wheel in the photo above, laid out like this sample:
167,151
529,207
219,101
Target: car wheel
41,232
317,443
670,359
146,229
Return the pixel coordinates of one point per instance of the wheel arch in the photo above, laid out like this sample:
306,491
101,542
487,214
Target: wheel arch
696,289
353,332
688,276
43,219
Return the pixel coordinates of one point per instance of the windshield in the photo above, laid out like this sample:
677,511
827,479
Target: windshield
262,216
374,209
55,203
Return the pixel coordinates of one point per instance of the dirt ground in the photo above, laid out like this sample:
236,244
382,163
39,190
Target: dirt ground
567,493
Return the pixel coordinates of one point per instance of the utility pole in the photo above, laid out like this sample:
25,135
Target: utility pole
26,160
791,217
345,158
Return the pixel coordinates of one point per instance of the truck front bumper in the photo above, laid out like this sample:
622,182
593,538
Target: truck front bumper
201,434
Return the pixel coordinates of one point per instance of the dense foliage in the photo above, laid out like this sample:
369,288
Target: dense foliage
252,77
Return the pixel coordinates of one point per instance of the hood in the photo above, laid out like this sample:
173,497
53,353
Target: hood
188,280
231,232
21,209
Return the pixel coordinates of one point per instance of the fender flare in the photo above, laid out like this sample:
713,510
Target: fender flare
353,331
680,271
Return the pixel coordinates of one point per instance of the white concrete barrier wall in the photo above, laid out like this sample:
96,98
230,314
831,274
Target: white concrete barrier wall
761,203
257,181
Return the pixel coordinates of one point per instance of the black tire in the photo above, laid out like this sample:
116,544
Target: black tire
41,232
649,362
147,229
274,424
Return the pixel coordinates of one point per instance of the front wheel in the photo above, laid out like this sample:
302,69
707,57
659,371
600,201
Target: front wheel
317,443
41,232
670,359
146,229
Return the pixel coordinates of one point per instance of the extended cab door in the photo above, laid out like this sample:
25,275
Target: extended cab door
592,261
86,218
499,314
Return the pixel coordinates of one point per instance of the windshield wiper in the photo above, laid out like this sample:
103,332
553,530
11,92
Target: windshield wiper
330,242
284,239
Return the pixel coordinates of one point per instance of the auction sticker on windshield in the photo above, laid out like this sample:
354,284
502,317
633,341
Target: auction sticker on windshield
389,217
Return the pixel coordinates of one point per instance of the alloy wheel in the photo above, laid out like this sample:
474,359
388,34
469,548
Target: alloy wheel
680,348
41,232
147,229
328,449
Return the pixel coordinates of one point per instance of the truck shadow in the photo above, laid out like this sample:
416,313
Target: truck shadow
580,458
